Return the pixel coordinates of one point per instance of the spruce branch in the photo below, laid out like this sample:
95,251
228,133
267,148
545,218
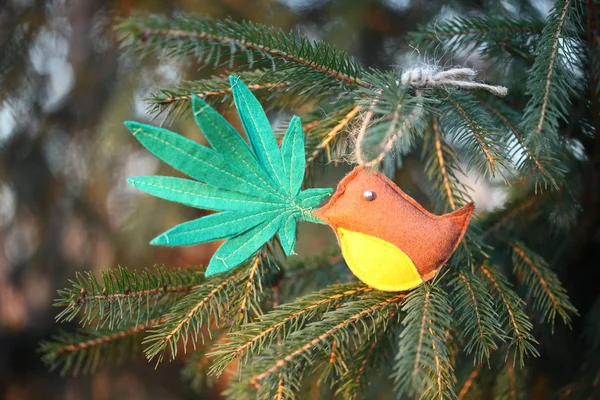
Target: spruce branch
469,126
509,306
485,34
368,358
88,349
443,169
267,85
545,171
542,284
123,295
249,303
187,319
221,42
277,325
551,78
307,346
422,366
475,313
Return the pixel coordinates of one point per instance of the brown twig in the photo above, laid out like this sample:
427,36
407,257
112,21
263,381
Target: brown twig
469,382
223,92
440,156
110,338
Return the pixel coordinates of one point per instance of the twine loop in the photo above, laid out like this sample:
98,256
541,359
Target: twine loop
431,77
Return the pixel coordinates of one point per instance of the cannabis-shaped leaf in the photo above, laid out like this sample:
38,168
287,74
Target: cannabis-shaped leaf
256,188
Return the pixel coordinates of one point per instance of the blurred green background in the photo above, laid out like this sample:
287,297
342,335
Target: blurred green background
64,155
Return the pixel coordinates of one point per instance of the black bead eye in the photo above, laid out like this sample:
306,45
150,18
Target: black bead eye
369,195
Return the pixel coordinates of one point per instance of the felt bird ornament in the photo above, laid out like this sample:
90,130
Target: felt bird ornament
388,240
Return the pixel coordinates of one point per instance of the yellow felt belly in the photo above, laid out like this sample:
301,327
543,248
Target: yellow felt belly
378,263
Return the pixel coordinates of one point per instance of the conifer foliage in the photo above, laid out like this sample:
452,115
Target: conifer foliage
283,325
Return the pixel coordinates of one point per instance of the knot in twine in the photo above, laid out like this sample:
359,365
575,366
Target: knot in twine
430,77
418,78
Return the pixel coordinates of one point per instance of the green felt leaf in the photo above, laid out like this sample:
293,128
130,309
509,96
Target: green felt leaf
214,227
195,160
287,234
258,129
311,198
199,195
257,187
294,161
228,142
239,248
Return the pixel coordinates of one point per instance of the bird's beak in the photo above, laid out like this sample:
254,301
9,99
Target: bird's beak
320,215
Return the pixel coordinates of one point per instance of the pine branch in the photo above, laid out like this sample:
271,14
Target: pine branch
542,284
123,296
442,168
422,367
509,307
219,42
249,303
87,350
464,120
251,339
188,318
551,78
353,320
267,85
484,34
368,359
544,170
475,313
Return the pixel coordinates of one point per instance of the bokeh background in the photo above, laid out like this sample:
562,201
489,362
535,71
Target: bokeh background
64,155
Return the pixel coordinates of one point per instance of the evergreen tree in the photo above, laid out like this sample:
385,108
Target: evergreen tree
283,325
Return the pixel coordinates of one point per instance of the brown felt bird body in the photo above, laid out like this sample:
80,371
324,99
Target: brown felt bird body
388,240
